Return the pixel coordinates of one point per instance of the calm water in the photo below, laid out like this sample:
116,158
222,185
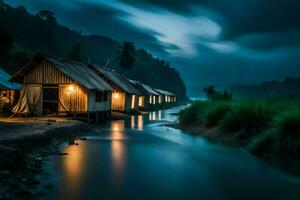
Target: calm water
141,159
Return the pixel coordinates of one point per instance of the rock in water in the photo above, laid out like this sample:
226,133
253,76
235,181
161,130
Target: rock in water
71,142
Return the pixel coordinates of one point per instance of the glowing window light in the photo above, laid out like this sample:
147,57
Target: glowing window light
71,89
141,101
116,95
133,102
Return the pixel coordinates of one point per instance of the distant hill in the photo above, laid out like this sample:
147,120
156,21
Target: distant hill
287,87
41,33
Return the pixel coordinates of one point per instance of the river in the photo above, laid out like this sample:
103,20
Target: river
141,159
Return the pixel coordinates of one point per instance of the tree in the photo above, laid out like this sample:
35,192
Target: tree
47,16
75,53
210,91
212,94
126,55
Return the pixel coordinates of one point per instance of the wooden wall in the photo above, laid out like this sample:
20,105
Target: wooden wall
75,101
118,101
46,73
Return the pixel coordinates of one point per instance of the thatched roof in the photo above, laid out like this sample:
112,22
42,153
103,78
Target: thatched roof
145,89
4,82
79,72
163,92
117,79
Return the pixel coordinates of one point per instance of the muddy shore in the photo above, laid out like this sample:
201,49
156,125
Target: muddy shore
24,143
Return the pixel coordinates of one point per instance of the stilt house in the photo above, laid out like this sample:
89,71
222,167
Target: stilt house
125,96
149,95
54,85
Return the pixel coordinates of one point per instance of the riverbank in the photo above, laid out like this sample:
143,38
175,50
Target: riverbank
24,143
267,128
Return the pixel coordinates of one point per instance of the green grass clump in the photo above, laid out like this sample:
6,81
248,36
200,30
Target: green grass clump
283,139
265,143
287,125
215,112
249,116
193,114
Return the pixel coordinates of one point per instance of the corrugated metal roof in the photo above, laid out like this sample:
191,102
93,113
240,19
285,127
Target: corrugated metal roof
147,90
163,92
118,80
79,72
4,82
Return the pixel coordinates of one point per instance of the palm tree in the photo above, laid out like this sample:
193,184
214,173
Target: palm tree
126,56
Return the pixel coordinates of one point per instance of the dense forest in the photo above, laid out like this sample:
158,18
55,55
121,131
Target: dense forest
23,34
288,87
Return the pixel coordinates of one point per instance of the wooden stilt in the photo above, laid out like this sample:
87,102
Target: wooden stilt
97,117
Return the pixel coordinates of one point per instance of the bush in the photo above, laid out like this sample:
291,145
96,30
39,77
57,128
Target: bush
265,143
193,114
287,125
215,112
250,116
283,139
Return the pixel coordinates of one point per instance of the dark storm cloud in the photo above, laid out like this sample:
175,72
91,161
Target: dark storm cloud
208,41
243,16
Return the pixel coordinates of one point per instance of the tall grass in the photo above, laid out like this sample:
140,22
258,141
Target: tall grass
250,116
272,125
215,112
192,115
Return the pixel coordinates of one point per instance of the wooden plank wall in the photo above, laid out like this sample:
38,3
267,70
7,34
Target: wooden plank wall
75,101
118,103
46,73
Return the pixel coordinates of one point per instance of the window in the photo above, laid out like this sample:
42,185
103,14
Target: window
105,96
133,102
99,96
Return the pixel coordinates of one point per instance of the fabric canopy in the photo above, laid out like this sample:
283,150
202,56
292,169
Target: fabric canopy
30,101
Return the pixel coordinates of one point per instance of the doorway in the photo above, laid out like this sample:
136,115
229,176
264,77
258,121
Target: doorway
50,99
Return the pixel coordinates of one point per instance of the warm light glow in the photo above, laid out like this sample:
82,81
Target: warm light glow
132,122
133,102
71,89
141,101
116,95
140,123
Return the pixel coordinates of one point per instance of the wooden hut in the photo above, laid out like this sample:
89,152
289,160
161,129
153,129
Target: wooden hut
125,96
149,95
7,89
166,97
54,85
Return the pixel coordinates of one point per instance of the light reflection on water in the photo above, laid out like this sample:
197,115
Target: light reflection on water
155,115
74,166
138,159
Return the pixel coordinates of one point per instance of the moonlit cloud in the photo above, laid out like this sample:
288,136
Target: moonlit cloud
185,32
207,41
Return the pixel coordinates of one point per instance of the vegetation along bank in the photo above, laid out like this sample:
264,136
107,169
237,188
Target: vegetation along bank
268,127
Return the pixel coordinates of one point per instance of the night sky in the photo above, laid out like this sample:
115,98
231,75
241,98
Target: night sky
209,41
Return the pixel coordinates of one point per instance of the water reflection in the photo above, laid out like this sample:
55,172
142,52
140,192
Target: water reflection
117,129
117,150
140,123
155,115
74,165
137,122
